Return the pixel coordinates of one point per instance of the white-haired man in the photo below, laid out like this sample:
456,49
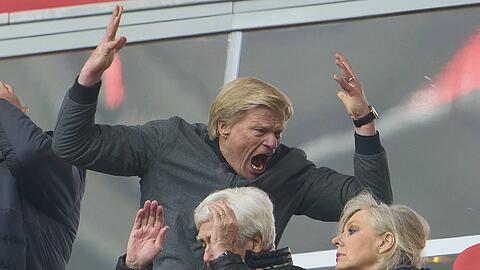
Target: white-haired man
235,226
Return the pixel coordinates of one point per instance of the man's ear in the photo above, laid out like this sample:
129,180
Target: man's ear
387,243
257,240
223,128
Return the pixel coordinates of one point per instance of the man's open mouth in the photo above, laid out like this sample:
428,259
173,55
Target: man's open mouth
259,162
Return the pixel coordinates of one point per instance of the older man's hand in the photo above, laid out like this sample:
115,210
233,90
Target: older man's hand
147,237
102,57
352,96
225,228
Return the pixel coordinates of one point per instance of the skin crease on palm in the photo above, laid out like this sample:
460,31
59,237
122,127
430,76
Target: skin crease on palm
248,144
357,245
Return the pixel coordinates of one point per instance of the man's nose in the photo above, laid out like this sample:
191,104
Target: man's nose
207,256
271,141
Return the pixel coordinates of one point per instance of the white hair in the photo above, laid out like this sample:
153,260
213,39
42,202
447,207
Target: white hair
253,210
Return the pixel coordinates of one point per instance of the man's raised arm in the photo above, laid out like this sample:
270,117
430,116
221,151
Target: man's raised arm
117,150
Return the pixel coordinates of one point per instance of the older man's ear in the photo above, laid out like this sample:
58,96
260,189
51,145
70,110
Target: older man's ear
257,241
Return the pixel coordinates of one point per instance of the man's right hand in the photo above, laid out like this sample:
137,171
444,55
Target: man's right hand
102,57
147,236
225,228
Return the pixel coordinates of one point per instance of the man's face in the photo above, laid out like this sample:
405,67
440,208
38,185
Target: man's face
250,143
205,231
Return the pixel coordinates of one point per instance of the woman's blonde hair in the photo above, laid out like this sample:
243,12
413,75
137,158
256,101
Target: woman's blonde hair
242,94
410,230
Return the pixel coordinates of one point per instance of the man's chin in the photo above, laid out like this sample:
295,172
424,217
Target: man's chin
253,174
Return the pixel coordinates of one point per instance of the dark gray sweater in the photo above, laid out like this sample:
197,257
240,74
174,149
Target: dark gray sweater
179,166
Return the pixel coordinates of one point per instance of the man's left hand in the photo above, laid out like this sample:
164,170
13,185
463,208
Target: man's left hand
352,95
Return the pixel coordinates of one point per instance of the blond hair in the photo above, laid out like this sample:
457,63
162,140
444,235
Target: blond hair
242,94
410,230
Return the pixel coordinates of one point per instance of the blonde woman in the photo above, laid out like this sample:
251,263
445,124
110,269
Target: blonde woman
373,235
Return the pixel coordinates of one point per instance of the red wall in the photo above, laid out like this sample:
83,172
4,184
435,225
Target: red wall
22,5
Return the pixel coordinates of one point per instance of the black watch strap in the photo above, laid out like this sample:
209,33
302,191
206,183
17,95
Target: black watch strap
372,115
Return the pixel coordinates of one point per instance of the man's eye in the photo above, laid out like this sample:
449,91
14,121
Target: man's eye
259,130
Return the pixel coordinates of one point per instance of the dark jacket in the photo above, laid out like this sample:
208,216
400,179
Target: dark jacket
280,259
179,166
40,196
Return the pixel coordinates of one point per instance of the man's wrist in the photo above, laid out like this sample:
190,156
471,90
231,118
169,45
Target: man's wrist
132,264
88,80
369,117
84,95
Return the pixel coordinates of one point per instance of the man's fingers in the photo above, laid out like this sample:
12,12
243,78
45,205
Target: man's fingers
9,88
215,212
113,24
146,208
122,41
2,85
227,210
114,45
160,218
152,213
160,240
138,219
344,65
343,83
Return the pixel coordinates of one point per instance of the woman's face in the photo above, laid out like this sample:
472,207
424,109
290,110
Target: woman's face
358,247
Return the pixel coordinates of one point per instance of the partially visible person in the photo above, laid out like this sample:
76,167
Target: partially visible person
40,194
235,226
180,163
375,236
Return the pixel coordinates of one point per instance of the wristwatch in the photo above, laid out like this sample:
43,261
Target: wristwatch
372,115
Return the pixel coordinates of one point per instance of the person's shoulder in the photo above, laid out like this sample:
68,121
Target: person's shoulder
174,120
175,125
282,150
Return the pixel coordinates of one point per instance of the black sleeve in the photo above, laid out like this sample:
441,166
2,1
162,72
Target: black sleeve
230,261
326,191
